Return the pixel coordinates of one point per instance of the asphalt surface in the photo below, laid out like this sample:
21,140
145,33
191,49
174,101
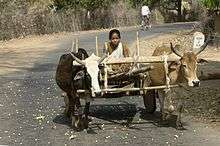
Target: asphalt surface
31,107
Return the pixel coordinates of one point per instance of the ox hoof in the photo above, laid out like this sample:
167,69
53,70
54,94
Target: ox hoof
85,123
76,123
80,122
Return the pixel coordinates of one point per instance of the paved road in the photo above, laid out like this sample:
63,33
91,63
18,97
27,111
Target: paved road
31,107
129,34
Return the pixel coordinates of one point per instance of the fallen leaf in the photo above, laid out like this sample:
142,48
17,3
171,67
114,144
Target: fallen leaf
40,117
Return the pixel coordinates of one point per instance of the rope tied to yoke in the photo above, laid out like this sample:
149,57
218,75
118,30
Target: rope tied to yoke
164,58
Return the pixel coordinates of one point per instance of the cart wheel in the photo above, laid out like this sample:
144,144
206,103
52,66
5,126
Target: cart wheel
150,101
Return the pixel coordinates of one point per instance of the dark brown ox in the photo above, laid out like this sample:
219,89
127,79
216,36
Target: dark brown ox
65,75
71,78
181,71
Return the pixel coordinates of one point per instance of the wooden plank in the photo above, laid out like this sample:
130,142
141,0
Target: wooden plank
72,48
106,70
138,48
138,45
131,89
77,45
141,59
96,46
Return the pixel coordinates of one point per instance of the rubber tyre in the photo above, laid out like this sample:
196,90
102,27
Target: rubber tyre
150,101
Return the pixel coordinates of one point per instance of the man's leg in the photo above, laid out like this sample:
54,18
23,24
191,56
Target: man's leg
148,21
142,21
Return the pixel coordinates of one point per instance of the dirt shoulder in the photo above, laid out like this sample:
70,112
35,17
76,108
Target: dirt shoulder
183,38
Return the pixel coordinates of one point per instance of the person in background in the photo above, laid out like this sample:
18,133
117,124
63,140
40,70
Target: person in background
145,15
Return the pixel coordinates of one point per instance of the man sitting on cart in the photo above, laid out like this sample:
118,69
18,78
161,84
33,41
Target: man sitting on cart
116,49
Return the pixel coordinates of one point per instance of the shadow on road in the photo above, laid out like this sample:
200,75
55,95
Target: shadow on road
121,114
111,113
155,119
62,119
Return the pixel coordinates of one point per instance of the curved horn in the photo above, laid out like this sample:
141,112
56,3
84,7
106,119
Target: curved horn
174,50
100,60
77,59
203,46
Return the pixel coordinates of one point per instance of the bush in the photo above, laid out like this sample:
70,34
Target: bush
20,19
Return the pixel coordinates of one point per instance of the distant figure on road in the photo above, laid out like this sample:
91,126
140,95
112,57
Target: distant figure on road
145,14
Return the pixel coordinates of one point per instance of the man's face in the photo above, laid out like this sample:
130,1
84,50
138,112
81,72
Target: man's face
115,39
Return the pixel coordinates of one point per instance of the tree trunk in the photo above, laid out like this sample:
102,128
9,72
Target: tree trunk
179,4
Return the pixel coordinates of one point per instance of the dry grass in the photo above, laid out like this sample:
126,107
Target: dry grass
19,19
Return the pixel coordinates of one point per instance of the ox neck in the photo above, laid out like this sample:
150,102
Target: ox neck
180,78
176,76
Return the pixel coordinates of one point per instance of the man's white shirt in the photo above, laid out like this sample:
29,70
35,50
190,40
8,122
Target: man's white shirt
145,10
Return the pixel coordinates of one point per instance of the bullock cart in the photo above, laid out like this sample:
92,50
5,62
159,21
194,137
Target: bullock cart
134,82
89,77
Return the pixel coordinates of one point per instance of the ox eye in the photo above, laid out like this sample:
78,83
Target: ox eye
184,65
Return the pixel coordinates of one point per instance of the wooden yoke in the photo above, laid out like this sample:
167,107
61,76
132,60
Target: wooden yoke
77,44
73,45
137,47
105,69
96,46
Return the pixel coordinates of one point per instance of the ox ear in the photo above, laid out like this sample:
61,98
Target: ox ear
202,61
79,75
174,65
176,50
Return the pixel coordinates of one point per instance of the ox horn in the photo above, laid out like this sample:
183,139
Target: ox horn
175,50
100,60
203,46
77,59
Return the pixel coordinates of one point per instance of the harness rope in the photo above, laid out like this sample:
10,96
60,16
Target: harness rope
165,57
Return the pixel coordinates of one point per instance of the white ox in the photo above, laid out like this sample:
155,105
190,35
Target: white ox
91,64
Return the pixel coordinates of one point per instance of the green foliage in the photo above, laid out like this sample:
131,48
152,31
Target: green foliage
138,3
211,4
94,4
86,4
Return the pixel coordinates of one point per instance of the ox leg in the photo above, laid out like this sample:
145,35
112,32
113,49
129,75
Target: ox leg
161,96
166,107
77,121
67,111
180,107
86,114
71,108
74,109
179,124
